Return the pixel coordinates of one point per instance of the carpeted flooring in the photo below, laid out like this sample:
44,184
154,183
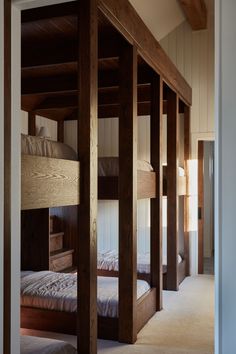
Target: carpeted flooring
184,326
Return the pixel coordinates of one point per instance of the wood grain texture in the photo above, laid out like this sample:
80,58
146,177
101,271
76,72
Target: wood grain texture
48,182
172,190
66,219
35,239
123,16
7,180
156,204
31,123
187,119
128,196
195,12
200,205
87,152
60,131
108,188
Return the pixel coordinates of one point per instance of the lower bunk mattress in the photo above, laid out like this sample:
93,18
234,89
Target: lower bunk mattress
58,291
109,261
37,345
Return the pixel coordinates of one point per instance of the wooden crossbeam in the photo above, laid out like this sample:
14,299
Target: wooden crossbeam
62,51
69,83
195,12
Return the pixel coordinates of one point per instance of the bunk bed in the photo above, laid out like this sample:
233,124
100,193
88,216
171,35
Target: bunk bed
123,78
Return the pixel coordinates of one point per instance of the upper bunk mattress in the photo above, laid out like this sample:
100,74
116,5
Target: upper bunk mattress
37,345
58,291
34,145
110,261
109,166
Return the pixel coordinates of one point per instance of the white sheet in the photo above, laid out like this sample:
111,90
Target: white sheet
37,345
58,291
110,261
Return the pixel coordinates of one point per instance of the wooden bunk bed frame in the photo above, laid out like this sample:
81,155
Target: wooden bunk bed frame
46,93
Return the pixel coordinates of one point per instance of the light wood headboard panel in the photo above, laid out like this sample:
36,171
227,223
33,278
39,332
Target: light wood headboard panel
48,182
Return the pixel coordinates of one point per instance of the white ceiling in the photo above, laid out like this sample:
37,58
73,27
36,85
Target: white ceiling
160,16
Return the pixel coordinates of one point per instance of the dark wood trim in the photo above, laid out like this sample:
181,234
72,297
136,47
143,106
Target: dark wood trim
187,117
172,190
156,203
7,180
200,205
195,12
87,155
108,186
60,131
128,196
123,16
31,123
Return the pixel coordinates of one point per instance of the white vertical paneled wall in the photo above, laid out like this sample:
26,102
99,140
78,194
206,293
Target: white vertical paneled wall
193,55
40,122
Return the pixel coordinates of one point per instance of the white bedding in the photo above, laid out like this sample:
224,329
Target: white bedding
34,145
109,166
110,261
58,291
37,345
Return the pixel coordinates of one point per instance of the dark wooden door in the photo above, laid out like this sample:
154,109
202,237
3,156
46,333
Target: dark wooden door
200,205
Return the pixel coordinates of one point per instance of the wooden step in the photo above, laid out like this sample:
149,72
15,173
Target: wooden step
61,259
56,241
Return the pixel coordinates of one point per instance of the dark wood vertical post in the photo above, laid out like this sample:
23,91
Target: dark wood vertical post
60,131
172,190
7,180
156,203
200,207
87,152
186,197
31,123
128,195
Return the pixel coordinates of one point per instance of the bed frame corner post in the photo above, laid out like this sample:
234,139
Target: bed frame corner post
128,195
187,117
32,123
172,189
87,153
156,203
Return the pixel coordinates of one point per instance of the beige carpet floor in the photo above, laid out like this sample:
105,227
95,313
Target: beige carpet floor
184,326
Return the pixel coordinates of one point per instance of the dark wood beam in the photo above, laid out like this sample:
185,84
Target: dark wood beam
57,52
156,203
7,181
87,155
128,196
172,190
195,12
31,123
60,131
48,12
187,118
123,16
69,83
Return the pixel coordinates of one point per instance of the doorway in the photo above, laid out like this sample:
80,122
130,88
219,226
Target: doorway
206,207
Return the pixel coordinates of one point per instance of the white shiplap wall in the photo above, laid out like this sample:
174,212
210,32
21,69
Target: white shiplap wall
40,122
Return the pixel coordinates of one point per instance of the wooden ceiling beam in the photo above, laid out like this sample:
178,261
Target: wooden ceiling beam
68,83
64,52
48,12
195,12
